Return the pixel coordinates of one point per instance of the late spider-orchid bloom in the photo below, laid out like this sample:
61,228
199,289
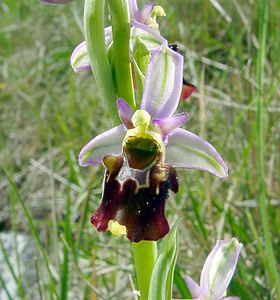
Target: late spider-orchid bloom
143,26
140,155
147,16
141,16
217,272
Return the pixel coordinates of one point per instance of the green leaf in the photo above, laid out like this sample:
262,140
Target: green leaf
162,276
180,284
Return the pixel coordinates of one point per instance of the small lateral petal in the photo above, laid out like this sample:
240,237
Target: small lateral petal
163,83
192,286
168,125
125,113
231,298
106,143
187,150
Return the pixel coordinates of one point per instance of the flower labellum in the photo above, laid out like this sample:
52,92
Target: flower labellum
140,155
135,199
217,272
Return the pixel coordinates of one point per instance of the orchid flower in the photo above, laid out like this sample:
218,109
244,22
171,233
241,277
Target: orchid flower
140,155
217,272
148,15
143,26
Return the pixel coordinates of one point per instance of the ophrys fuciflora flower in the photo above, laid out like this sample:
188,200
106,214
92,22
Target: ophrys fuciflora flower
141,154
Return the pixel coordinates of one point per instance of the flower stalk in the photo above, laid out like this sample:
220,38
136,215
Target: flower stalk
119,12
144,255
95,39
144,252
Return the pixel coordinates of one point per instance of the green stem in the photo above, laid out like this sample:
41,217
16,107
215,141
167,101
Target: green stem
144,254
120,19
262,199
95,39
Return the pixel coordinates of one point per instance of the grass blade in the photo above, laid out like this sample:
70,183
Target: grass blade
11,269
271,264
35,235
2,283
65,267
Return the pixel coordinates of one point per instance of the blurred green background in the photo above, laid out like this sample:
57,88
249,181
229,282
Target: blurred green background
47,113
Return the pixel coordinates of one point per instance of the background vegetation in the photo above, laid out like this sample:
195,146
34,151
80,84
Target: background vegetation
48,113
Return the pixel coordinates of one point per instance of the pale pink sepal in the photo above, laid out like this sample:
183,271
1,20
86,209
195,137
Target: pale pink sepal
219,268
106,143
163,83
80,60
151,38
143,15
193,287
187,150
147,11
135,14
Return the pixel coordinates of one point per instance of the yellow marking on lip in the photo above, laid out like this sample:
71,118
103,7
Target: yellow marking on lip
116,228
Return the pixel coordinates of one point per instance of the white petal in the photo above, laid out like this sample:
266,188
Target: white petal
106,143
187,150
